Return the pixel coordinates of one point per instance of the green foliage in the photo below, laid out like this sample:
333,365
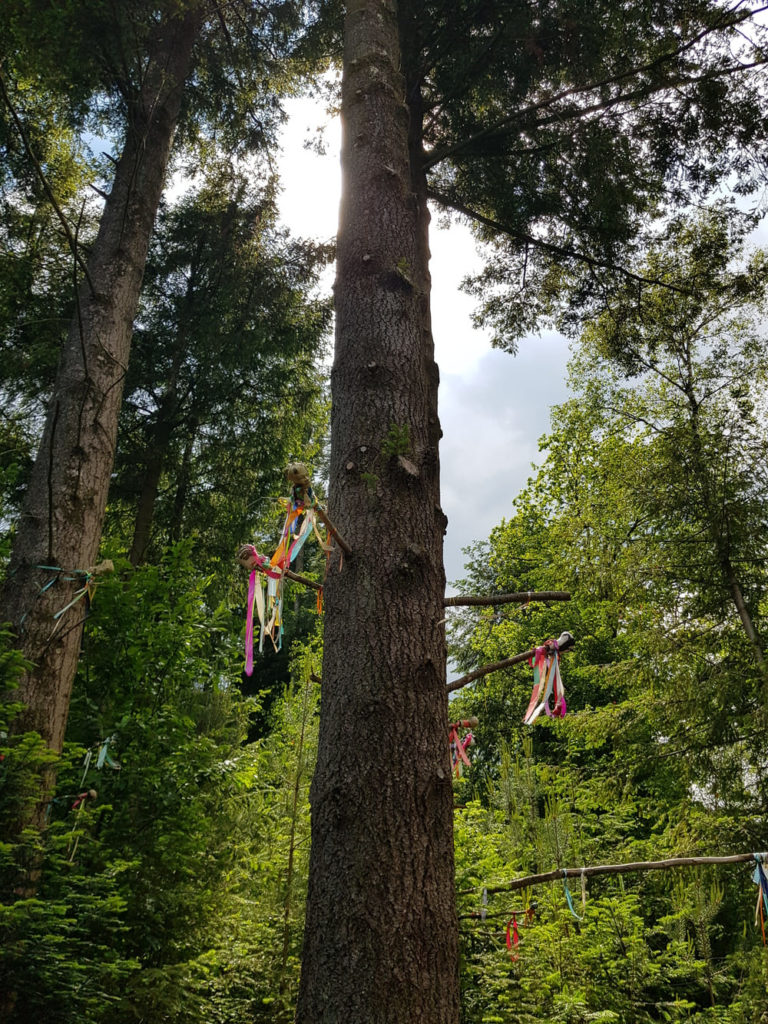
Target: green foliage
222,390
177,892
61,957
397,440
559,130
648,505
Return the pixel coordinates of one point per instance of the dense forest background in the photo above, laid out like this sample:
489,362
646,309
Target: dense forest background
169,879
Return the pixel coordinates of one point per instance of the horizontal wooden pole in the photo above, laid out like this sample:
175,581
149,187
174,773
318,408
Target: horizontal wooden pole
485,670
290,575
503,914
497,666
462,600
559,874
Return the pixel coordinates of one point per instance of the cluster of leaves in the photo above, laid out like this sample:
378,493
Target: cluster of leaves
650,508
175,890
558,130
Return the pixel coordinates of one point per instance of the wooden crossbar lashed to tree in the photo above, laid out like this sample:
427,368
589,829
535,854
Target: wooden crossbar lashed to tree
559,874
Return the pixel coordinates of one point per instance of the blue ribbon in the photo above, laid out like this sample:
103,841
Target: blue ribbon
759,877
568,899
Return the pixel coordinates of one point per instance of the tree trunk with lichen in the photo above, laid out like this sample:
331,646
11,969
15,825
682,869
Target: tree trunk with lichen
58,536
381,932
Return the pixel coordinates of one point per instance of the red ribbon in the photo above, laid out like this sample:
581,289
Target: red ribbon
513,937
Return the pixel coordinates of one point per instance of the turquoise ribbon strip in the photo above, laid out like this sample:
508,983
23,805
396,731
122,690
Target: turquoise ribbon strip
568,899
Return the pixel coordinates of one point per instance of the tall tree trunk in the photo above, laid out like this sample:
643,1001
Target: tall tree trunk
381,934
63,513
150,485
184,478
715,527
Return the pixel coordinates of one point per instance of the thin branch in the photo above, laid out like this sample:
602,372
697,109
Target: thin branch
45,183
322,516
556,250
518,598
295,577
496,666
613,869
246,558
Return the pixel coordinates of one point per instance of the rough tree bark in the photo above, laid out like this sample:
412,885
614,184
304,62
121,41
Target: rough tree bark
62,518
381,931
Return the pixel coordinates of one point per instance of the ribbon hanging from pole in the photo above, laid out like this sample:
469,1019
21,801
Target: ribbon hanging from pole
459,744
547,684
568,898
759,877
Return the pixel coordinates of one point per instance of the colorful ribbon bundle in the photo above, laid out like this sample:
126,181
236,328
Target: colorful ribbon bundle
89,579
546,683
459,744
300,523
102,757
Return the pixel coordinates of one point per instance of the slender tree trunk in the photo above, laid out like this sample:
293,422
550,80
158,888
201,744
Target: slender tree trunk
182,488
160,439
62,519
715,528
381,934
145,512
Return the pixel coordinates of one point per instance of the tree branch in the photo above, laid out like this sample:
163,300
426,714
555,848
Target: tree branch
548,101
496,666
45,183
561,874
550,247
246,559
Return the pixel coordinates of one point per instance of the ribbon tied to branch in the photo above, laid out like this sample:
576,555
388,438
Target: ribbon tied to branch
547,683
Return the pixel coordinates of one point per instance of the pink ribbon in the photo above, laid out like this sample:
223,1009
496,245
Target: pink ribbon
249,623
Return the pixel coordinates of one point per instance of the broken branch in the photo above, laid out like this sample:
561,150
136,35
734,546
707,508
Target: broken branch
332,530
248,561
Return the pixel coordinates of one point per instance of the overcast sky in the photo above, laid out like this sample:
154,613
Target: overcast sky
493,406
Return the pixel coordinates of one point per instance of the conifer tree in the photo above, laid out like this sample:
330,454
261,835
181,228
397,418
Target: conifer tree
551,130
130,68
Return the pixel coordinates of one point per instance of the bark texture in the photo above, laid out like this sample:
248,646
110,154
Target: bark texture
62,518
381,932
